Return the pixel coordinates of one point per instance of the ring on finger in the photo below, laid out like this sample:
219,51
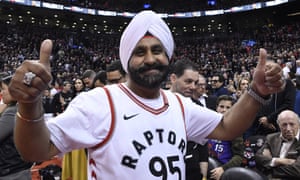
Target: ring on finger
28,77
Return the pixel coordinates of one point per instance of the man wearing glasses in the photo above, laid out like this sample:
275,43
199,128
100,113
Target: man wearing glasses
218,85
201,94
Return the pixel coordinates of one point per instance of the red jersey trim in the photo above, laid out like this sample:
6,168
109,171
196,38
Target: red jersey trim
113,119
144,106
182,111
181,105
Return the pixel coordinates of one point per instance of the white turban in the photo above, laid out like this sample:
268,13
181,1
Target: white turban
143,22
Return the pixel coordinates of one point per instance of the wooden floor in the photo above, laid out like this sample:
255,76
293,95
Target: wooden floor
35,169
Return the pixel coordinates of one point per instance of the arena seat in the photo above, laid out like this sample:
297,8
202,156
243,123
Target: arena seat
212,163
238,173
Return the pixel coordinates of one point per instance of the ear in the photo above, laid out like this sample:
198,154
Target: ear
173,78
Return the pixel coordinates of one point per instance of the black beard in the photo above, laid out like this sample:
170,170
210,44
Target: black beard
153,81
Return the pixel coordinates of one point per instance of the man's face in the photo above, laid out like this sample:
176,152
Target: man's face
114,77
215,82
289,126
185,84
67,87
88,82
200,87
149,64
224,106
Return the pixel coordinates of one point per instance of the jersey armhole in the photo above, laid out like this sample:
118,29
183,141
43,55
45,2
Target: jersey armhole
112,125
181,105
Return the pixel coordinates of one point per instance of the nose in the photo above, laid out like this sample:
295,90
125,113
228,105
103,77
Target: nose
224,109
288,127
149,58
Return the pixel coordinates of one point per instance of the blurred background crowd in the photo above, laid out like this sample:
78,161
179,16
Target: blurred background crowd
82,60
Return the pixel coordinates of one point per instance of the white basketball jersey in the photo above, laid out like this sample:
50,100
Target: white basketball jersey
144,143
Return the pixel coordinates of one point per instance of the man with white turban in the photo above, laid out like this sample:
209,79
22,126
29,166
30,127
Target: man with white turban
132,130
138,28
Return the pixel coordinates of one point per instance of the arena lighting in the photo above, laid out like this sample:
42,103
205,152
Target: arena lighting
98,12
211,2
147,5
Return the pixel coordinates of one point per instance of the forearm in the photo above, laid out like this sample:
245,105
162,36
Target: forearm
32,139
283,161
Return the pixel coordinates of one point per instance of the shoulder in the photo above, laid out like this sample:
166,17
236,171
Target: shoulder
273,136
10,110
8,114
92,94
171,94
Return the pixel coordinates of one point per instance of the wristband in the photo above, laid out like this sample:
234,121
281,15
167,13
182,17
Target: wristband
258,98
29,120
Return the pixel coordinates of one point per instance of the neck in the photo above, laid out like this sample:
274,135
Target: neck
147,93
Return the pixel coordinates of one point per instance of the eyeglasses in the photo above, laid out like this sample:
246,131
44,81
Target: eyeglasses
201,85
214,81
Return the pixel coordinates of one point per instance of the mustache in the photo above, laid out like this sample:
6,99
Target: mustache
155,66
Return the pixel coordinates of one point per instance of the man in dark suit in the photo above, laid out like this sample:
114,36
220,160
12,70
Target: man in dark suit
218,85
200,95
279,157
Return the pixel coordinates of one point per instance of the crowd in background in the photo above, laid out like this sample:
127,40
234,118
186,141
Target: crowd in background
76,52
228,60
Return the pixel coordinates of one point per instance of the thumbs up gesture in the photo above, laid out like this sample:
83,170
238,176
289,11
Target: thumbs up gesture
267,77
32,77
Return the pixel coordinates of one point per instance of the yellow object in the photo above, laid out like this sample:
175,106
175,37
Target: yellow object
74,165
204,178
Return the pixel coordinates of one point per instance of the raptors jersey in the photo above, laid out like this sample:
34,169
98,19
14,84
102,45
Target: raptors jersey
129,137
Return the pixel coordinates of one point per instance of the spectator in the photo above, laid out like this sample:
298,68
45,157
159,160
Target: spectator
78,86
287,70
243,85
184,77
115,73
47,104
218,86
228,153
62,99
56,87
200,94
231,88
88,77
279,157
100,79
12,166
